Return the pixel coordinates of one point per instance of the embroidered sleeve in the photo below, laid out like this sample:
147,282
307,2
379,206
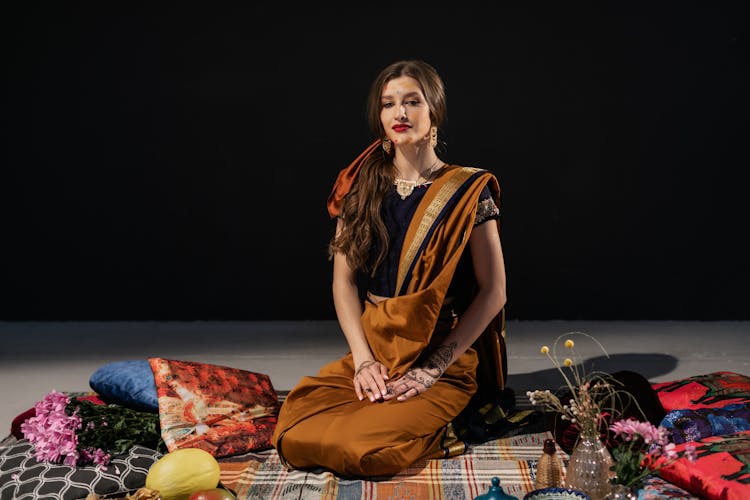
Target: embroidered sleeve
486,208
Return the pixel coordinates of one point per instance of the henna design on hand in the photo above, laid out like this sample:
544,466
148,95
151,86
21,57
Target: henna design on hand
425,381
438,362
363,365
423,377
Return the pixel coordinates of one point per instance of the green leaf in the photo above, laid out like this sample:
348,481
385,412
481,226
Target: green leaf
115,429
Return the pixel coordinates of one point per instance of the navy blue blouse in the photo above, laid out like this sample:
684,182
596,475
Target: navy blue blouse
397,214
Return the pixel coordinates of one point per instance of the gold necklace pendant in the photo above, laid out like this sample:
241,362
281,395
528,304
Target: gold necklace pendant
404,187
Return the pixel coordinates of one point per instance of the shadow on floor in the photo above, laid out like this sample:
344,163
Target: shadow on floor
650,365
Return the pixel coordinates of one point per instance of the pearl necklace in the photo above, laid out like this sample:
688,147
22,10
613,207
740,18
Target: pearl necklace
405,187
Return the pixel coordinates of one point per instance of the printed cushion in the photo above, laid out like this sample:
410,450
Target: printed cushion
712,390
720,470
656,488
224,411
23,478
692,425
128,383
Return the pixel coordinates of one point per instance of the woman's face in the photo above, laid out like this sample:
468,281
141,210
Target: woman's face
404,111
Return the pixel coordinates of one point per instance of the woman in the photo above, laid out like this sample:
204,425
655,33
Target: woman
427,334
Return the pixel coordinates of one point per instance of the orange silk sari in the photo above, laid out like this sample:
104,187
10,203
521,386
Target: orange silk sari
322,424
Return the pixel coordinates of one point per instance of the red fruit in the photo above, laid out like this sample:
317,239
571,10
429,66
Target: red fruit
212,494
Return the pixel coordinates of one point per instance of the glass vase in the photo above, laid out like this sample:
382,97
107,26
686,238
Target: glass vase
621,492
589,467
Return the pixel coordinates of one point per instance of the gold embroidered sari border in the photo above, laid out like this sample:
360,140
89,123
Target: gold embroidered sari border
433,211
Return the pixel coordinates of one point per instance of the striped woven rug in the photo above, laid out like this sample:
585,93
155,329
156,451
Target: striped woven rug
512,460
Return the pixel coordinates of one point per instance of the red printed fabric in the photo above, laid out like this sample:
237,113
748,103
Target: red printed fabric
224,411
720,471
713,390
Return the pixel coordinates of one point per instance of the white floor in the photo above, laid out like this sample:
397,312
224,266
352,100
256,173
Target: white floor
38,357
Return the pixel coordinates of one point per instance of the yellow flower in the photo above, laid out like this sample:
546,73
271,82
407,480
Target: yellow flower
591,393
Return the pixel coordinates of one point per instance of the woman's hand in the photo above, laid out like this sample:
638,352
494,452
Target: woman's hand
369,379
420,378
414,382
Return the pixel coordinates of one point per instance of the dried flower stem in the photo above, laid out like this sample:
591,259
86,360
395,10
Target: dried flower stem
593,394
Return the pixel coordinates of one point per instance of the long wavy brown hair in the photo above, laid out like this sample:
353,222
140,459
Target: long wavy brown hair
362,223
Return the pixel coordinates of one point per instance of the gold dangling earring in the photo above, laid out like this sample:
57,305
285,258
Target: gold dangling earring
433,137
387,145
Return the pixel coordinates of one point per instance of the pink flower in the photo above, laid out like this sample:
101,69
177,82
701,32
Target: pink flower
71,458
97,456
52,431
631,429
101,457
638,454
76,432
669,451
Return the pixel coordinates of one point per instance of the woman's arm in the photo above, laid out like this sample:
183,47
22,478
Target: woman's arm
370,375
489,268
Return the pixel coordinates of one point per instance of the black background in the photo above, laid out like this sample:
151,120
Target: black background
172,162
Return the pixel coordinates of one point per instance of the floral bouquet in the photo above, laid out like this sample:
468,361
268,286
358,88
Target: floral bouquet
596,407
595,396
638,449
78,432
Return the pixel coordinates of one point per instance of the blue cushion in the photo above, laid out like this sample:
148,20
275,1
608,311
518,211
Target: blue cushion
128,383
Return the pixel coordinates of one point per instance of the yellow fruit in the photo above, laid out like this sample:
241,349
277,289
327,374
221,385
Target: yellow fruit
181,472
